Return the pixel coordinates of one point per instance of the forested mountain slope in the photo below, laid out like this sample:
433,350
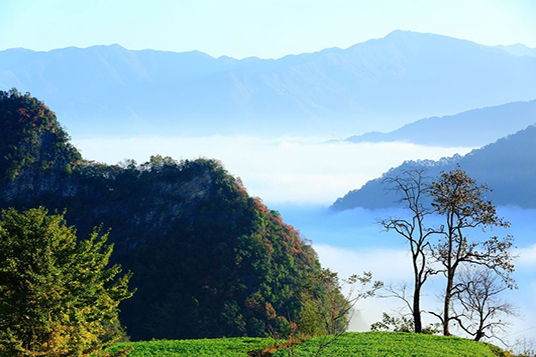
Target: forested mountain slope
508,166
208,259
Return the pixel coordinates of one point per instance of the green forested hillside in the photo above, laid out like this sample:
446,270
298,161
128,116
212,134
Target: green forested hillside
208,259
30,135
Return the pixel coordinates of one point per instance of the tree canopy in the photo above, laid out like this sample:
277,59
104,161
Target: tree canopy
30,135
58,296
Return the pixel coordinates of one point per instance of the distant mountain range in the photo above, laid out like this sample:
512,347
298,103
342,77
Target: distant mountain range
518,50
472,128
508,166
376,85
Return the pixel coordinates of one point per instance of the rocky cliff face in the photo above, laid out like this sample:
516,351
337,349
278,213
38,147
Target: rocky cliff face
31,183
130,201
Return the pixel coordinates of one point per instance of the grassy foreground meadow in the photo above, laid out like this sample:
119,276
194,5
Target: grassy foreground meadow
400,344
224,347
369,344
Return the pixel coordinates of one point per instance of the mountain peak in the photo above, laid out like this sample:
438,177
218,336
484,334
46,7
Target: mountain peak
378,85
426,37
400,33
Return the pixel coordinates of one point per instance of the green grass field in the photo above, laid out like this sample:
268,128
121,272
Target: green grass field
400,344
224,347
369,344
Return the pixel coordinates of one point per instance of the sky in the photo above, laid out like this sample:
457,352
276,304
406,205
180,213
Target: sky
262,28
306,172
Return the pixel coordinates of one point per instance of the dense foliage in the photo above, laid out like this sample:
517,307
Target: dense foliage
208,259
232,269
30,135
57,298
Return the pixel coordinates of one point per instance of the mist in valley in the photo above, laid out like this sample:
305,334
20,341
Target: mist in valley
302,176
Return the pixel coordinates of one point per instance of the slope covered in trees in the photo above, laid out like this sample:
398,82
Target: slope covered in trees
508,166
208,259
30,136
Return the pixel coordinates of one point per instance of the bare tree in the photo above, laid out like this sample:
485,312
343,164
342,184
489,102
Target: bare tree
458,198
524,347
410,185
483,311
332,321
400,321
399,292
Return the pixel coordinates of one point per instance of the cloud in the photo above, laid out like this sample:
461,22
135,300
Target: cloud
289,169
386,264
392,267
527,256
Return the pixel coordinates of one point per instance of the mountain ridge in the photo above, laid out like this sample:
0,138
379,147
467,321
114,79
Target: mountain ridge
519,47
376,84
473,128
508,166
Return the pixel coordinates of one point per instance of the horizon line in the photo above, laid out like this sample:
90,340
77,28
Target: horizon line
263,58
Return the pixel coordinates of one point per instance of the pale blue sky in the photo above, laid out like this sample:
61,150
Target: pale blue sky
264,28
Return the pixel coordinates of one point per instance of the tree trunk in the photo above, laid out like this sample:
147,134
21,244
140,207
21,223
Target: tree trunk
417,321
446,307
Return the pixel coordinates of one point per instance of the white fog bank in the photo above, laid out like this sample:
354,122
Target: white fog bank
298,170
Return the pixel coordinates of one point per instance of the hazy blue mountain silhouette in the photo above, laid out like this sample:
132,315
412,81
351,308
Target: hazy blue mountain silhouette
518,50
508,166
376,85
472,128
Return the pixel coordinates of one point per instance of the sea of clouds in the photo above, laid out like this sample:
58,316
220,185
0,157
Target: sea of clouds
294,170
301,176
